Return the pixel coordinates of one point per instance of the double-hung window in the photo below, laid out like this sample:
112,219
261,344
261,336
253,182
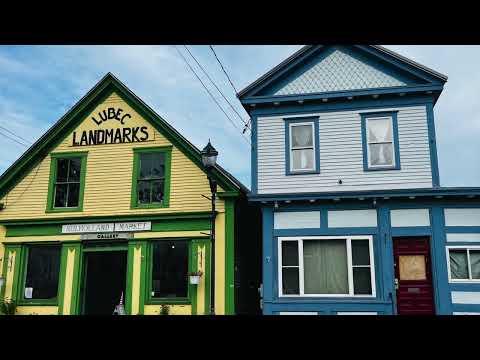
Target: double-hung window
302,153
464,264
41,273
326,266
380,141
67,181
151,177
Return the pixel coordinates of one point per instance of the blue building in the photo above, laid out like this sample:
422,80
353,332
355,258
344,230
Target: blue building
345,170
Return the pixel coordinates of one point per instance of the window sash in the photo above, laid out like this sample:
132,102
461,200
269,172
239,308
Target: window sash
67,182
151,179
469,264
350,266
311,148
367,122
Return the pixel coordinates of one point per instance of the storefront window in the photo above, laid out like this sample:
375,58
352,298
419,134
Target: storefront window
170,269
42,272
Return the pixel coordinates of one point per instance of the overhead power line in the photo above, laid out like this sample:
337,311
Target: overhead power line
214,84
17,136
13,139
209,93
224,71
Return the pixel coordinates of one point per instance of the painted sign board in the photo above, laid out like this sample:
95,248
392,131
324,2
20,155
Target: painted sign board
107,227
106,236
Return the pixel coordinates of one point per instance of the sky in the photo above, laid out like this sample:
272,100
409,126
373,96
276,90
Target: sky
39,84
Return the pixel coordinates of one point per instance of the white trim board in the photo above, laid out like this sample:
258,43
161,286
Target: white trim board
466,297
296,220
463,237
410,217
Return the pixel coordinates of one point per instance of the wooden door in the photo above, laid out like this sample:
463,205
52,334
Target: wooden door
413,276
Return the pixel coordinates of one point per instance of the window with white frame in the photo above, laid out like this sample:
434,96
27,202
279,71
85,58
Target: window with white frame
380,142
302,146
464,264
326,266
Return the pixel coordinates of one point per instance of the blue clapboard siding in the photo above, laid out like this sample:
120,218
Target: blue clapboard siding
341,155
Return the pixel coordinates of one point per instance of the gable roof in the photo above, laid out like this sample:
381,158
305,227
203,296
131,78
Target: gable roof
392,59
106,86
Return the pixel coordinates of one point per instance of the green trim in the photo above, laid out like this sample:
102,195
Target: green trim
208,256
133,217
228,194
53,175
16,269
104,88
229,257
167,150
74,310
62,278
192,264
20,290
143,279
165,226
129,287
106,248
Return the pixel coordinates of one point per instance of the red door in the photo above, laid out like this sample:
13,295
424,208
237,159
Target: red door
413,276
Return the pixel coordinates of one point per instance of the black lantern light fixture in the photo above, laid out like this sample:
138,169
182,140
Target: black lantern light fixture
209,160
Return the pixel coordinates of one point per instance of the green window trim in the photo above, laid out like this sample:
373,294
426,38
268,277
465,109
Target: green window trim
23,263
167,150
53,176
191,289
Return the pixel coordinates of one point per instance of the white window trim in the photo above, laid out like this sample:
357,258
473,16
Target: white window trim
461,247
290,151
367,119
348,239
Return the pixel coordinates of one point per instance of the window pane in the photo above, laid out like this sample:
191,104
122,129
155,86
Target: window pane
379,130
302,159
60,195
158,165
62,170
146,161
325,267
74,173
73,195
302,136
360,252
143,188
43,266
475,263
157,191
381,154
458,264
289,253
290,283
362,281
170,269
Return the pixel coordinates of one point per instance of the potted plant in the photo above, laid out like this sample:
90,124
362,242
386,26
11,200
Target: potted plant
164,309
195,277
8,307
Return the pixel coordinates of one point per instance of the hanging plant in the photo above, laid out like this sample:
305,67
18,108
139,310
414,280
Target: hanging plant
164,309
195,277
8,307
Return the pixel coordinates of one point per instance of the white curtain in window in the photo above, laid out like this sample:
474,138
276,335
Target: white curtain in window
302,136
458,264
475,263
325,267
380,140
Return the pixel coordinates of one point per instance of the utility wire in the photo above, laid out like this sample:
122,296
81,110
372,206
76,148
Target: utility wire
224,71
247,125
18,136
213,82
209,93
13,139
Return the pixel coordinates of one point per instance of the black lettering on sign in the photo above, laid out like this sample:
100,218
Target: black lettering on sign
111,136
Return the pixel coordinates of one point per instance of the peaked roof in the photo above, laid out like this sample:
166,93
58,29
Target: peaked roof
106,86
395,60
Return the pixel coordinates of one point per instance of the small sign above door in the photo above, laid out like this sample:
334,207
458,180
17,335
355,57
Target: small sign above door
107,227
106,236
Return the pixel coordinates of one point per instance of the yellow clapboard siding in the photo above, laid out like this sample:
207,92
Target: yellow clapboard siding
174,310
36,310
109,177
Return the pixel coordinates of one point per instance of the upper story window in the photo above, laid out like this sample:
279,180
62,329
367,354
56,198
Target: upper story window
380,141
326,266
42,268
464,264
301,145
67,182
151,177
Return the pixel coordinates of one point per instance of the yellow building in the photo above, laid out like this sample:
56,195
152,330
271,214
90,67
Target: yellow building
112,203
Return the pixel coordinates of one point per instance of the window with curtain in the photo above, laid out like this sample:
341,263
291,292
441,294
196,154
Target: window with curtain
302,147
42,272
464,264
327,267
380,142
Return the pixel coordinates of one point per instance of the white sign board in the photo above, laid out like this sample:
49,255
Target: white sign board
106,227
